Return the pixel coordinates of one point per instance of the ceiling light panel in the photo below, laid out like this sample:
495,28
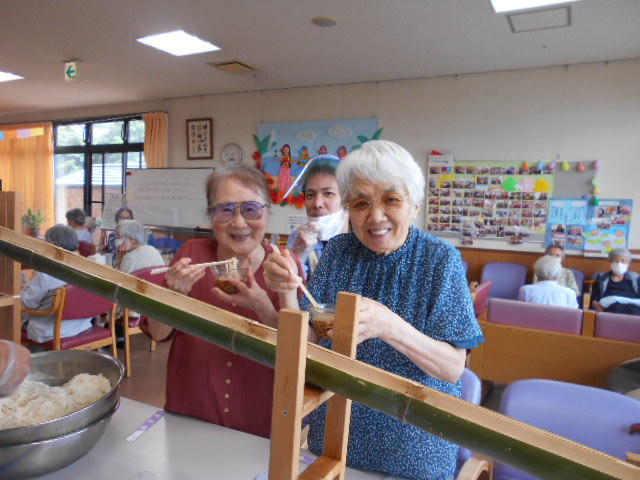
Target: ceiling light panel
7,77
178,43
502,6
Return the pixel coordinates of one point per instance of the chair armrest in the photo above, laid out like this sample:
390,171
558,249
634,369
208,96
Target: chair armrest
43,313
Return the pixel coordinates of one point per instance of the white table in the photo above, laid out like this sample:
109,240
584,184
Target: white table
176,448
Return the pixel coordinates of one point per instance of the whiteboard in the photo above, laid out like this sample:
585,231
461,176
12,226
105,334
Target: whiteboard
168,197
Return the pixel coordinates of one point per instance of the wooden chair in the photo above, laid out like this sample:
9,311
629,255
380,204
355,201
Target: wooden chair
131,323
72,302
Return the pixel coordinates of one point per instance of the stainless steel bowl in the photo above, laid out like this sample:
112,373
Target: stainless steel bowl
56,368
30,460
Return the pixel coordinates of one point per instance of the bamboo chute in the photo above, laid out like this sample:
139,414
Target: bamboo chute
490,434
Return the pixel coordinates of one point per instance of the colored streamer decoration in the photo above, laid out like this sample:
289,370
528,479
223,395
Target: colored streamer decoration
525,166
541,165
565,166
21,133
580,167
527,185
596,165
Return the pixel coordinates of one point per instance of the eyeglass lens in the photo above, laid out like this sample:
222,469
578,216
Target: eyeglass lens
388,200
224,212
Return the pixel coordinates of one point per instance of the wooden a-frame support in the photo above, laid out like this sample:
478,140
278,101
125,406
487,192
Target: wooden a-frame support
292,400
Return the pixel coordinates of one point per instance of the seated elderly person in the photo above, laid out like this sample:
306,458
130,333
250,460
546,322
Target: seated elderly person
616,291
567,278
76,219
133,253
40,292
548,291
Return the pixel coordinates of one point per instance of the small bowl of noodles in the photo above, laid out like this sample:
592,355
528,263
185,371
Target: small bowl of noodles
58,413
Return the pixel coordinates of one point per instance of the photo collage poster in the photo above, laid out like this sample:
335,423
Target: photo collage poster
487,199
595,229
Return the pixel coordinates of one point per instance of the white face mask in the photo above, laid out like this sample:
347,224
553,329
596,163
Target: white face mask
619,268
330,225
118,243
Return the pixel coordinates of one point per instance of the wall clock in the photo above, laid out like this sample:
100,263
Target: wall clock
231,153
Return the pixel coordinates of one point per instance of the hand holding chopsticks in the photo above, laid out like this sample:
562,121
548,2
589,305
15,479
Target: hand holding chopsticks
232,261
298,279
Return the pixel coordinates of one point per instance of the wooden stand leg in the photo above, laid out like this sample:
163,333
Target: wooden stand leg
291,400
288,389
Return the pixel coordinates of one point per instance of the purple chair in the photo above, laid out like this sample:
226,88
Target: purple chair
617,326
535,315
507,279
471,392
598,418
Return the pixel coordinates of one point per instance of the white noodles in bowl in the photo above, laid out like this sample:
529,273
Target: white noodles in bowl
36,402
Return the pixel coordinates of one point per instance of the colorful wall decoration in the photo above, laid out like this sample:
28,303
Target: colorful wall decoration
21,133
579,224
284,148
488,199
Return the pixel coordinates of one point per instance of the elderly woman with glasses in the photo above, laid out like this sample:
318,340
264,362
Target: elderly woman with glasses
416,318
204,380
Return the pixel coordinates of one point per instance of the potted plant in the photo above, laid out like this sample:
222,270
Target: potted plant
33,221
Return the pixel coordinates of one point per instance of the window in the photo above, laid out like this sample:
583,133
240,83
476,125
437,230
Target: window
91,157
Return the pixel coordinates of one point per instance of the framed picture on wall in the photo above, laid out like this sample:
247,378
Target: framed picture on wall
199,138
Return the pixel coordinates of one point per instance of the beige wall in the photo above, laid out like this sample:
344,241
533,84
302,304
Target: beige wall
581,112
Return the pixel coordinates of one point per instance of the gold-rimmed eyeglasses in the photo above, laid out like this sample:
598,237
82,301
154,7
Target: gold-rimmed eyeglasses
388,201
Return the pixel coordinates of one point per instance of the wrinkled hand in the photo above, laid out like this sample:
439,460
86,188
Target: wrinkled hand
306,238
182,276
21,367
250,295
374,321
276,272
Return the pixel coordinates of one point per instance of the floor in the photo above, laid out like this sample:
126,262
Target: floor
149,375
147,384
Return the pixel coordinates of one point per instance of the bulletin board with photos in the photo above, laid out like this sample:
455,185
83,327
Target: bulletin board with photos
579,224
487,199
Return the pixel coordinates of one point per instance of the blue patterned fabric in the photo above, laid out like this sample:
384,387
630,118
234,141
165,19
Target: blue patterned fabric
424,283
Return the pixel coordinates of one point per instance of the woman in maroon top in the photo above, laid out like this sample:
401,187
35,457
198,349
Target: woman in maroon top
204,380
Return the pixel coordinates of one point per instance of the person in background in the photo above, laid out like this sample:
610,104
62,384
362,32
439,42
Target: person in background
15,364
133,253
567,278
40,292
323,203
76,219
617,290
123,213
203,380
548,291
416,316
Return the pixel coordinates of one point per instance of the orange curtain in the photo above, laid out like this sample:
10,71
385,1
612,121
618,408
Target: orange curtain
156,139
26,164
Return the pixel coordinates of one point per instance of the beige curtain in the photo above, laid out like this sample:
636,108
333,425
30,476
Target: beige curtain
26,164
156,139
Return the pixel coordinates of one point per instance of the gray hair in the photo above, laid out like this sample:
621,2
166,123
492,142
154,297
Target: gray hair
62,236
133,230
619,252
548,268
77,215
381,161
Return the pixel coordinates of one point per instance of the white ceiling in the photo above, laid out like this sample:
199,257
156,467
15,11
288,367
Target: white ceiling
374,40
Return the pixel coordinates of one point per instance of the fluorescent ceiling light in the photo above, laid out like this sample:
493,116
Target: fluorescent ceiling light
7,77
178,43
501,6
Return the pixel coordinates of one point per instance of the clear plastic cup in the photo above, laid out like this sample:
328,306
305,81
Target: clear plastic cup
323,318
222,275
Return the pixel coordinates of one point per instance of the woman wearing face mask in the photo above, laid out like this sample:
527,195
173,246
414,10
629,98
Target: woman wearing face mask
327,217
617,291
